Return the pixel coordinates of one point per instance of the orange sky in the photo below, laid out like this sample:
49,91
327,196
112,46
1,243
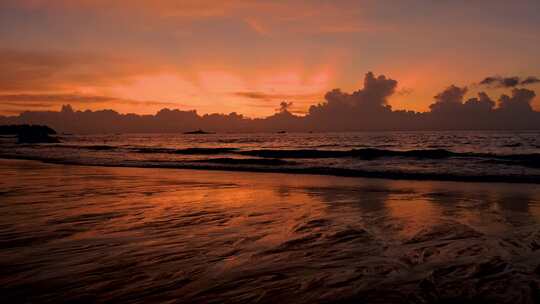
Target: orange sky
247,56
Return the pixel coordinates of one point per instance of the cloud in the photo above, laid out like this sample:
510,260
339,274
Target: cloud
24,70
449,99
508,82
162,8
498,81
405,91
374,94
56,98
271,97
514,112
520,101
363,109
376,90
26,105
49,100
530,80
450,102
263,17
481,103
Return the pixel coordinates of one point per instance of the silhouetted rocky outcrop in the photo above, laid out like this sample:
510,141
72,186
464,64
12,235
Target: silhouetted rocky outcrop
198,132
30,133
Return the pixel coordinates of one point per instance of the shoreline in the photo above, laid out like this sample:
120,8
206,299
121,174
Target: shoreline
336,172
211,236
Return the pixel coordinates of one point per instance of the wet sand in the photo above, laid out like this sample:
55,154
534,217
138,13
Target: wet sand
130,235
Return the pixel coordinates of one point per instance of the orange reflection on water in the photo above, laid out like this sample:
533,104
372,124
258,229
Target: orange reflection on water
209,235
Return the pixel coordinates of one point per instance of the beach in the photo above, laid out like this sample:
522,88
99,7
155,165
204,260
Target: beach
108,234
269,152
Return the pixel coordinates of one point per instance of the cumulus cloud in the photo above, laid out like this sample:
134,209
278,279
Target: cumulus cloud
376,90
374,94
508,82
481,103
451,101
364,109
448,99
520,101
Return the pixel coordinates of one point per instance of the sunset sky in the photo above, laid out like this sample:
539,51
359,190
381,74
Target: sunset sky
246,56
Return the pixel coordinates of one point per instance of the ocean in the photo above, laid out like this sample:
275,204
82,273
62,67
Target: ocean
383,217
461,156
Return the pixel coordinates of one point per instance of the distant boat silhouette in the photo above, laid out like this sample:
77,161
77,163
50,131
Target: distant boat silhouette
281,132
198,132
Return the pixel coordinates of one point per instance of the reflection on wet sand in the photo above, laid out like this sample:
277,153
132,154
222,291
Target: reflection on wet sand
89,234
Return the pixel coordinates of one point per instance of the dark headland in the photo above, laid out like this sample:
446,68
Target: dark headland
30,133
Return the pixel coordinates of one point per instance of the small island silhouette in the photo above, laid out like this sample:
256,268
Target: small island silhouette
199,131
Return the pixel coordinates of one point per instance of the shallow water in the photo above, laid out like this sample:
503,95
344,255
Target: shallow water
95,234
453,155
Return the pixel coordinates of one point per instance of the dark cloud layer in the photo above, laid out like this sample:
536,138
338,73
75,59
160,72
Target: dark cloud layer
48,100
55,98
508,82
530,80
42,70
364,109
269,97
